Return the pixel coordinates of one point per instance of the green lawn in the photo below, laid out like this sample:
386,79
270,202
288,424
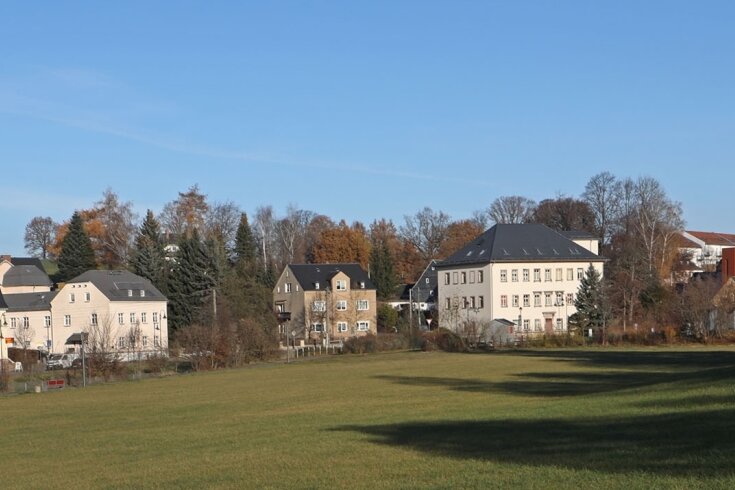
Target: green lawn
532,419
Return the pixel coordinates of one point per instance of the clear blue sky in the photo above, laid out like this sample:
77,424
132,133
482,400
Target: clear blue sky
360,110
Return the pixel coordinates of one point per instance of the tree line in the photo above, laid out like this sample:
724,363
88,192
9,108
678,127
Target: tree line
212,256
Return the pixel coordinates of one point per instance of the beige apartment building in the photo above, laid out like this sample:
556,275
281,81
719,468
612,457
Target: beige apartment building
526,275
325,302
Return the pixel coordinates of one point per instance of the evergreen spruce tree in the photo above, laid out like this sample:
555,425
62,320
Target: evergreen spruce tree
591,302
190,283
381,269
77,255
245,246
148,259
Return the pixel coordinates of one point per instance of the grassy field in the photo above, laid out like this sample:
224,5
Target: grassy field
535,419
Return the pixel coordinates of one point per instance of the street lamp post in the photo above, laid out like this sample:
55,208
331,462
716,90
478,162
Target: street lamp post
2,345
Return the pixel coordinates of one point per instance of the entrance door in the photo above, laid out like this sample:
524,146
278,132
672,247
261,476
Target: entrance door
548,326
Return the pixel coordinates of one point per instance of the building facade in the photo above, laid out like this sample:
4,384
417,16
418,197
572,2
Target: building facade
325,302
527,274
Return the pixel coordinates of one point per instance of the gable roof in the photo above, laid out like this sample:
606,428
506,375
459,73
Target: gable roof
578,235
29,301
713,238
34,261
425,288
519,243
25,275
308,275
118,285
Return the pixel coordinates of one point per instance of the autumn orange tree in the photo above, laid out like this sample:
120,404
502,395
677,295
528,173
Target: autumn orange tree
343,244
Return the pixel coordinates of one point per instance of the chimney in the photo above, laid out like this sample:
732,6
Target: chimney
5,257
728,264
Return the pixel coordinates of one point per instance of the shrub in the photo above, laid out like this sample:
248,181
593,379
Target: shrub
443,339
376,343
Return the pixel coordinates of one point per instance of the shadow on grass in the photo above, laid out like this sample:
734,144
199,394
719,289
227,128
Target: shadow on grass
625,370
684,444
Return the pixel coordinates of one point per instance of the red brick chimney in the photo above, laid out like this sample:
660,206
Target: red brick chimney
728,264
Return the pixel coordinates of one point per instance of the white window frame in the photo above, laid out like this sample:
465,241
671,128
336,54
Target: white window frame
319,306
287,287
143,317
67,320
93,319
26,322
526,300
363,326
317,327
537,275
132,318
342,327
341,285
503,300
547,275
121,318
72,297
515,301
87,297
503,275
363,305
526,275
536,299
47,321
514,275
341,305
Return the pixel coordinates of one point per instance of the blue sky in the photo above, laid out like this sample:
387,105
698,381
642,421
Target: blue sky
361,110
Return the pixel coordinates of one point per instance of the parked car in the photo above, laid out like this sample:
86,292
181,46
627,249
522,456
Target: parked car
60,361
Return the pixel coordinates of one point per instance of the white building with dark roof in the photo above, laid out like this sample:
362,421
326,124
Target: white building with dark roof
527,274
123,313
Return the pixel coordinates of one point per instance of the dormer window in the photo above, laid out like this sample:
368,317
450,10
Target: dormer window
316,285
130,293
142,293
362,284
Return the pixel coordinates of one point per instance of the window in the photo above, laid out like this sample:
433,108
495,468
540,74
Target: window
130,293
121,318
526,300
536,299
317,327
427,280
481,302
547,299
525,275
559,324
341,305
132,318
559,298
580,274
143,317
570,274
13,322
47,321
363,326
537,275
464,302
514,275
514,301
316,285
362,304
362,284
319,306
341,285
547,275
121,342
145,341
526,325
463,278
142,293
71,297
537,325
155,317
503,275
455,277
447,303
26,322
67,320
559,274
446,278
472,302
341,326
93,319
503,301
287,287
479,276
87,297
156,342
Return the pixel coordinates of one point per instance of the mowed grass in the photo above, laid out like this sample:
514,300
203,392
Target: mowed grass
542,419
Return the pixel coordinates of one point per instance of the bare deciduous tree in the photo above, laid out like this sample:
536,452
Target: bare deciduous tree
511,209
603,194
223,218
40,233
264,226
426,231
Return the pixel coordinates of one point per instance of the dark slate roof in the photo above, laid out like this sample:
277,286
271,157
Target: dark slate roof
34,261
115,285
425,289
579,235
309,274
519,243
25,275
29,301
3,304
